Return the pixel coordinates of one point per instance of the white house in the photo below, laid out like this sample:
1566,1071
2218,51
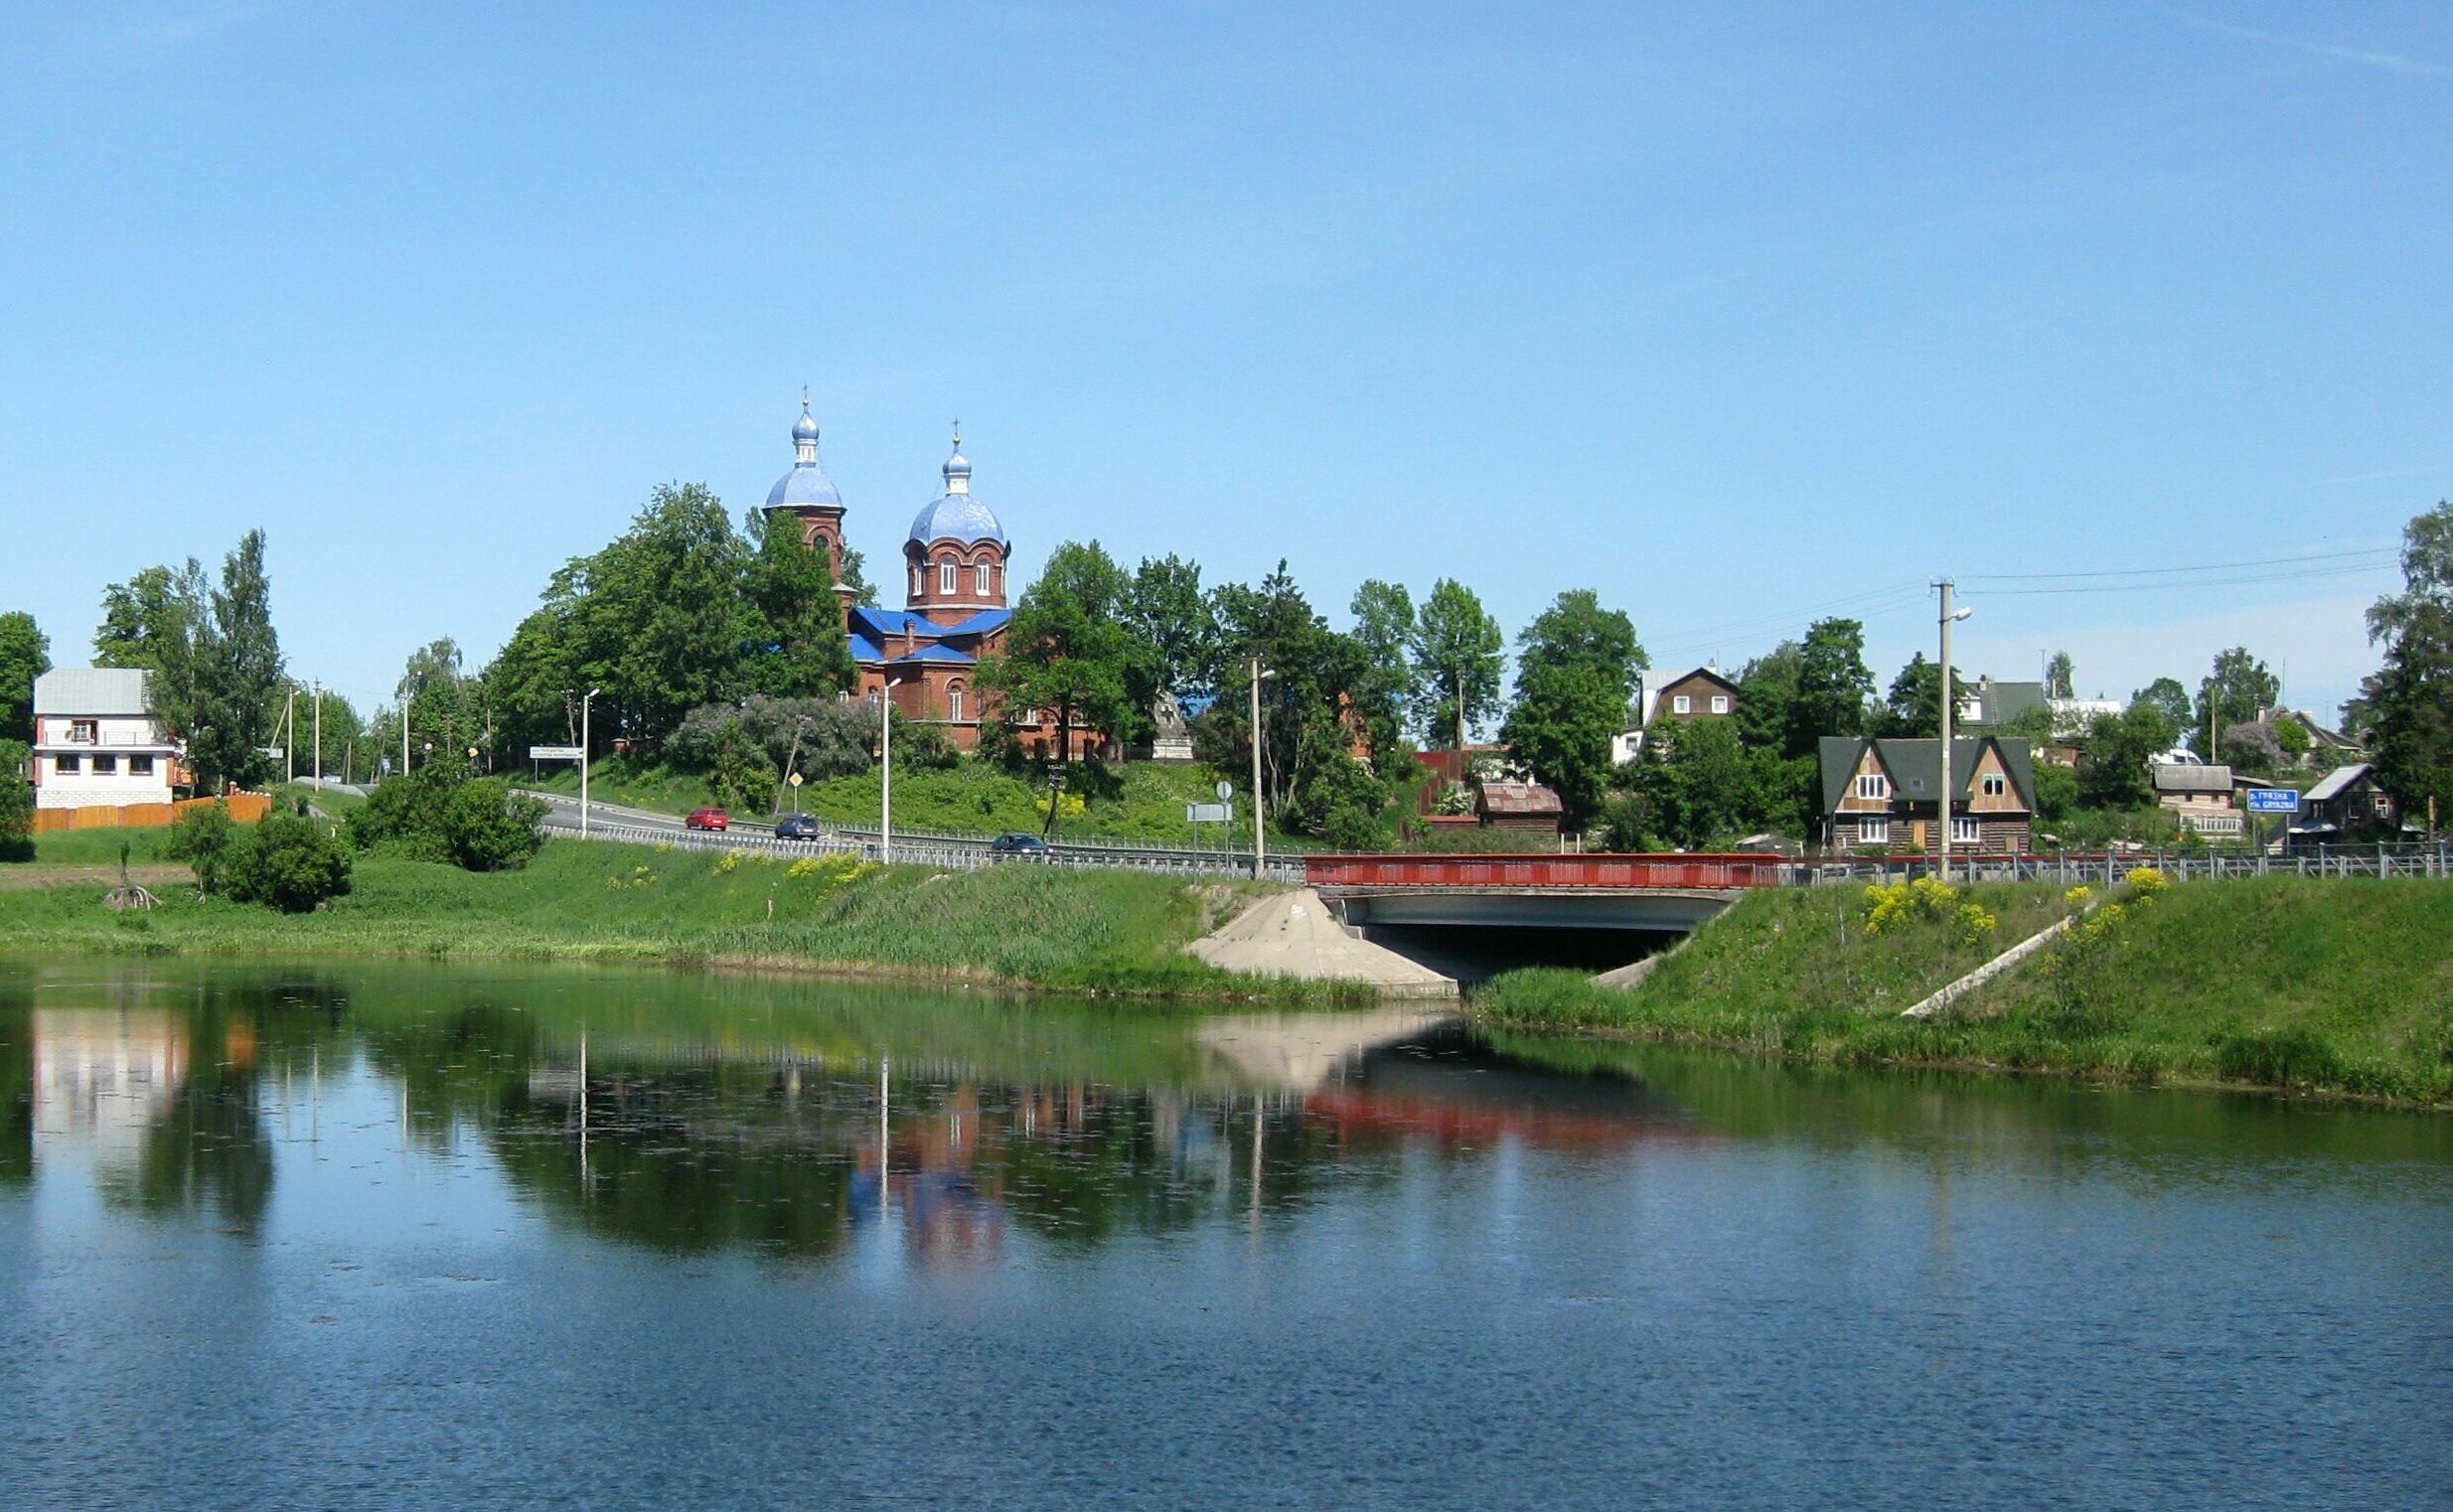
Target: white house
94,743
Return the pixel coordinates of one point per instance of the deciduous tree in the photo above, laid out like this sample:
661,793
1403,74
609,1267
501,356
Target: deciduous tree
25,654
1575,668
1458,650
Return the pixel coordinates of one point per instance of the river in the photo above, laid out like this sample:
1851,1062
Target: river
399,1235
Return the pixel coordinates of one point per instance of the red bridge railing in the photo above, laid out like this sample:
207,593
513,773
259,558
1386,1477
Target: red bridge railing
1595,872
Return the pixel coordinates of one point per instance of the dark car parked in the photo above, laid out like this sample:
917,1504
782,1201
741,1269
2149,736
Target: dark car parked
796,827
1018,844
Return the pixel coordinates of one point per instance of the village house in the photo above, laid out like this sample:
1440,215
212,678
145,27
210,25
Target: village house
2204,800
2346,804
1702,694
1886,795
97,745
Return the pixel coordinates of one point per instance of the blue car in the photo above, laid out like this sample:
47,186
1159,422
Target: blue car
796,827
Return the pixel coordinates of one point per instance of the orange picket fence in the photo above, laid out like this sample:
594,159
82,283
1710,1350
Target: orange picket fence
246,808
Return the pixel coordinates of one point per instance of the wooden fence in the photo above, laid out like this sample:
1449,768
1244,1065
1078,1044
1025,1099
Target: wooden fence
246,808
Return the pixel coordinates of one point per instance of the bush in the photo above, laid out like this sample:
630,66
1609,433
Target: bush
16,803
821,738
442,814
288,862
203,838
742,778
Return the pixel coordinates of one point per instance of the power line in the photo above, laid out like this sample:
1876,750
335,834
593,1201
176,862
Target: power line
2195,583
2211,566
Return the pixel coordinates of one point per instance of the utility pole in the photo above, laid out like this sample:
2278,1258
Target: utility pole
289,738
1461,717
1949,785
583,771
319,733
885,778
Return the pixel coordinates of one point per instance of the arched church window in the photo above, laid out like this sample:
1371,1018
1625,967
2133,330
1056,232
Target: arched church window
954,702
979,573
915,579
946,575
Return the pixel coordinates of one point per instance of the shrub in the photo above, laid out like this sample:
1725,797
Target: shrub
16,803
288,862
1976,923
442,814
203,838
2278,1057
1898,904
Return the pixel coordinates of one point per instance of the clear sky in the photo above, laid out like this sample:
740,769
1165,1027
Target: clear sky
1736,313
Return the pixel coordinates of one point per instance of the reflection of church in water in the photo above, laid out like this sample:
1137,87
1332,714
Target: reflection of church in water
926,654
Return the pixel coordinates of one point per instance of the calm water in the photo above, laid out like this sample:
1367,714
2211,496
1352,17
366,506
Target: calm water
427,1236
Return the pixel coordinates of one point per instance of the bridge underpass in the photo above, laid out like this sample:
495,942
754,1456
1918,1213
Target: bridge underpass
1472,934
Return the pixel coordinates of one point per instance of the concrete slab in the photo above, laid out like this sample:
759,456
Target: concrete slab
1293,934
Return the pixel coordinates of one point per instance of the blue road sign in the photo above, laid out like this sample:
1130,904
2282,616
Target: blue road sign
2273,800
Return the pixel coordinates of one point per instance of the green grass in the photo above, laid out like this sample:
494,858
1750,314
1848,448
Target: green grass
98,847
1139,801
1082,932
2340,988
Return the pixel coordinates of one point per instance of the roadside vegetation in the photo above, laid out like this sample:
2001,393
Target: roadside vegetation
2331,986
1094,933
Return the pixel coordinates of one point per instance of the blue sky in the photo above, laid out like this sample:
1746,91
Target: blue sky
1736,313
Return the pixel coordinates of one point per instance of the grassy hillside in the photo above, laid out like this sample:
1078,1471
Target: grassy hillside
1024,925
1146,802
2334,987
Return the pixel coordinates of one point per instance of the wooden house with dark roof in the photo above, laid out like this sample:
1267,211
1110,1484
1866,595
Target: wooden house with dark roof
1886,795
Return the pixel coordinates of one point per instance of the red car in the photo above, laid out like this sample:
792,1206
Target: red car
708,819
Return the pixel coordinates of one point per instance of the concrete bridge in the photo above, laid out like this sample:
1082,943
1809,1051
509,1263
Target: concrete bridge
1651,895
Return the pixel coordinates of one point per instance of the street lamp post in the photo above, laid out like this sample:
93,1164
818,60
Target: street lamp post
885,770
1260,817
406,700
1950,616
585,752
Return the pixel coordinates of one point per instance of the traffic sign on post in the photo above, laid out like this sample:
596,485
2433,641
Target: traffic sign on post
2273,800
793,779
554,753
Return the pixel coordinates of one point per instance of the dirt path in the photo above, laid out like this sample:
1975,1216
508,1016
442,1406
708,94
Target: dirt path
17,878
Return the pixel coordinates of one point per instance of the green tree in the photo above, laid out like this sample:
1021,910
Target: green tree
2409,701
1695,784
2056,792
1067,651
240,671
1166,611
1458,649
1575,668
2238,692
488,827
16,802
2114,756
288,862
1833,684
203,838
796,645
25,654
2167,698
655,619
1384,627
1915,708
533,685
743,778
1318,704
1767,697
2061,676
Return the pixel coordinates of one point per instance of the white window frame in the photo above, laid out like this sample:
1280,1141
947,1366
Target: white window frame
1873,832
105,764
1680,703
948,575
978,578
1996,785
140,766
67,766
1873,785
919,575
953,702
1720,704
1964,831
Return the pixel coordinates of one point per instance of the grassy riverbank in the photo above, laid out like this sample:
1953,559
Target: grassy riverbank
1087,932
2334,986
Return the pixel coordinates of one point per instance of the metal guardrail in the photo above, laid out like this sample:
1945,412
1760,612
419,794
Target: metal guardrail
958,857
2106,867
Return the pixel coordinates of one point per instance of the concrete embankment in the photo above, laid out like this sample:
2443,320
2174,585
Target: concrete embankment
1293,934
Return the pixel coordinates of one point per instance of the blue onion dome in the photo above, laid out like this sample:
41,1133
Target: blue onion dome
807,483
956,513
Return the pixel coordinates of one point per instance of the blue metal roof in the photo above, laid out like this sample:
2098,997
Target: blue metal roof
807,483
865,649
933,651
978,624
958,517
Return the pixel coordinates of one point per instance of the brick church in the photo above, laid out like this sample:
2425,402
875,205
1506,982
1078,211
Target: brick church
926,654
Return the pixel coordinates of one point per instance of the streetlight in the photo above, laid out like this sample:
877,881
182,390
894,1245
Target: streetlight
583,758
1259,823
885,769
1950,617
